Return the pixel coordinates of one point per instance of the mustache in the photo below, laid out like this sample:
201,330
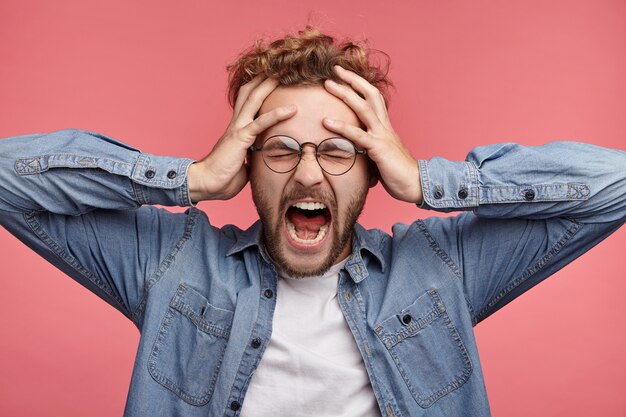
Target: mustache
301,193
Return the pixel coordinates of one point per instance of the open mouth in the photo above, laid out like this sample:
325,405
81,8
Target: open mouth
307,222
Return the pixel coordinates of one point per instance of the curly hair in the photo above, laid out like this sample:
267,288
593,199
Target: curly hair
307,58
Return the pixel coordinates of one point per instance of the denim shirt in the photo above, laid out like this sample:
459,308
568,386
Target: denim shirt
203,297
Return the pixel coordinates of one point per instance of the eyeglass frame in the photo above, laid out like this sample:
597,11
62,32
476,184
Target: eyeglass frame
301,146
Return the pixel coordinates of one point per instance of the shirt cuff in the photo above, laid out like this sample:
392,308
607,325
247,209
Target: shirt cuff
161,180
449,185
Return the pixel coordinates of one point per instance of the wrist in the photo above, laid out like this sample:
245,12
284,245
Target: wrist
195,183
420,195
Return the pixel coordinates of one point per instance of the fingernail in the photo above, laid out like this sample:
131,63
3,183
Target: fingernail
337,68
291,107
329,120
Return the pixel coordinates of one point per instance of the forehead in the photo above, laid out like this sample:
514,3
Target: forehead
314,103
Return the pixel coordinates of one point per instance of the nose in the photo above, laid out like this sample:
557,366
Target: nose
308,172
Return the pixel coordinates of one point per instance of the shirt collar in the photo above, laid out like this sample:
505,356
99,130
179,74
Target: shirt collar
363,241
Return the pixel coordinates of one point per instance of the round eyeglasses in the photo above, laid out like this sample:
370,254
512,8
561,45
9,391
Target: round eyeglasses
282,154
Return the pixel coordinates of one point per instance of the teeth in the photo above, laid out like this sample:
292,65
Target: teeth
318,238
309,206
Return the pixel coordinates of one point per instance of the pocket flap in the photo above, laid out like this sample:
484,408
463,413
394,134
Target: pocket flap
426,348
203,314
411,319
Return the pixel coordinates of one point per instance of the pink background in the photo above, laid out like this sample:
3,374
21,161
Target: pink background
151,73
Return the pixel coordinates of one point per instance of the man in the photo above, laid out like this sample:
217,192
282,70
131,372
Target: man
306,312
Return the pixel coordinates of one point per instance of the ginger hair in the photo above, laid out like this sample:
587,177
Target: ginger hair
307,58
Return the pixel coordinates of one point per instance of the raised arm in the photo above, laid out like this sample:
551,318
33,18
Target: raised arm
76,198
528,211
533,210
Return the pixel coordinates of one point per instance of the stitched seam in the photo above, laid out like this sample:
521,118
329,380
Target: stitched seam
165,264
437,249
530,271
60,164
173,386
458,380
540,186
425,183
446,259
240,383
473,199
571,188
139,196
474,184
350,318
411,330
200,323
38,230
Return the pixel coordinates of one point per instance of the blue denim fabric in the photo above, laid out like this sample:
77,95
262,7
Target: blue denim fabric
200,295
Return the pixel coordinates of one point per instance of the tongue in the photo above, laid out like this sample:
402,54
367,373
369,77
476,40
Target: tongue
306,227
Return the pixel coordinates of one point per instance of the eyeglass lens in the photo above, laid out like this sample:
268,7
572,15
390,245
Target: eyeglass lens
335,155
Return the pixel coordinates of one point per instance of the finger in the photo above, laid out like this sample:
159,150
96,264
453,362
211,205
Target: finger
244,91
255,99
360,106
357,135
367,90
267,120
357,82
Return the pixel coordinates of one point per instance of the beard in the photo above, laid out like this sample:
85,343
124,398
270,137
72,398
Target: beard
273,234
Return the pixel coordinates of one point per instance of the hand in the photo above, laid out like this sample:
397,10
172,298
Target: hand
223,173
398,170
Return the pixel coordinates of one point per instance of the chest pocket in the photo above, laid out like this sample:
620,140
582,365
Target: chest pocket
426,348
190,345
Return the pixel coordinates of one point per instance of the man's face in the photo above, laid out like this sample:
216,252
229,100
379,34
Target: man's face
304,242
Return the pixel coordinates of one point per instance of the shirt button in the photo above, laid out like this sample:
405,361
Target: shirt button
406,319
268,293
529,195
462,193
256,343
235,405
438,194
150,174
171,174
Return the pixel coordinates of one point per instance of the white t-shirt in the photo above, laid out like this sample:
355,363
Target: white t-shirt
312,365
